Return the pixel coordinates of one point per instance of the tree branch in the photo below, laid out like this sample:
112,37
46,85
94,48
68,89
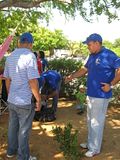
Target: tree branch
25,5
29,4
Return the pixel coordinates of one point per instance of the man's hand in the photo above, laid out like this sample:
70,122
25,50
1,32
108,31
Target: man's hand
68,78
38,106
81,72
106,87
82,90
7,82
35,90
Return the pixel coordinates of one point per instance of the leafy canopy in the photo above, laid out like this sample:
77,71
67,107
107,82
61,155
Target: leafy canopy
85,8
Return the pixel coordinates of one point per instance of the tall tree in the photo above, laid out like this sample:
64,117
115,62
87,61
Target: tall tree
49,40
9,20
117,43
108,44
86,8
77,48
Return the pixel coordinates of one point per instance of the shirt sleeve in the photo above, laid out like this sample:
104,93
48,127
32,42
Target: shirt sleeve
6,70
114,61
32,69
117,63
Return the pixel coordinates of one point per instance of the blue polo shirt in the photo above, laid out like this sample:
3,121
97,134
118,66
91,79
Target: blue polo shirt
101,69
52,79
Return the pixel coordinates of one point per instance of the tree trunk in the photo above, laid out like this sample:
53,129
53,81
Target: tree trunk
51,52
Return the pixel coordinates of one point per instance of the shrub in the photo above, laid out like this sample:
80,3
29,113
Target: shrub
116,94
66,67
2,65
67,140
81,97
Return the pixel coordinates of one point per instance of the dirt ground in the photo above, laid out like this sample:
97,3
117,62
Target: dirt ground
44,147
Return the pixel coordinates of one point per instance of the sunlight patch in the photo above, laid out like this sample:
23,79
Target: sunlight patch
35,127
50,134
115,123
59,155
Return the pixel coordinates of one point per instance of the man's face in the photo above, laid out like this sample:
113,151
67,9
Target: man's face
94,47
25,45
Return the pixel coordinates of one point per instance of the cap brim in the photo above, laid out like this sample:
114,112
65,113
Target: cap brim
84,42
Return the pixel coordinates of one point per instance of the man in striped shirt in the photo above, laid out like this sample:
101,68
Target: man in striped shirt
21,75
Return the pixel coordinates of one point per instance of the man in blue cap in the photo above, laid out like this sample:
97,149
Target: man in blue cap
50,82
21,75
103,69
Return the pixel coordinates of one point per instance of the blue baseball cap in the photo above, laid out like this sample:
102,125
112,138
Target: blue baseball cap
26,37
41,81
93,37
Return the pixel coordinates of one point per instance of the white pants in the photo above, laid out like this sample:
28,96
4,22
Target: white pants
96,111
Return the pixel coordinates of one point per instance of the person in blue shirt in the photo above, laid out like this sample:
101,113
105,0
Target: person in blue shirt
103,72
21,75
50,82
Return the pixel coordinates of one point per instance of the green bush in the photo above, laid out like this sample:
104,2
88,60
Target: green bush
68,141
116,94
2,62
81,97
66,67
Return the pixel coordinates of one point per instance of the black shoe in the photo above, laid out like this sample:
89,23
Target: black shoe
80,112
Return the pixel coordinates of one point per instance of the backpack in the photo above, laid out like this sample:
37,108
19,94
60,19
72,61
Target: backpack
46,114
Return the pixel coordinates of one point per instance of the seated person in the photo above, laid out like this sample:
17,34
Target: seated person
49,83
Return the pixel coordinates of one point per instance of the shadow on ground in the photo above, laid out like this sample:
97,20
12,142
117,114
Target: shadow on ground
44,147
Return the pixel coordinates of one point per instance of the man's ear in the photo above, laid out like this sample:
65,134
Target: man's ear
18,43
31,45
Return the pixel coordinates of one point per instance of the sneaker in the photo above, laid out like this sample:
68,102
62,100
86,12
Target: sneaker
32,158
10,156
84,145
90,154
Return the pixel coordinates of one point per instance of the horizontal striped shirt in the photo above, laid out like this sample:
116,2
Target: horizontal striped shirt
20,67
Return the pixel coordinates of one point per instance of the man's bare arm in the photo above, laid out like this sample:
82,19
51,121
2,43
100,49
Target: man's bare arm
76,74
117,77
7,82
35,90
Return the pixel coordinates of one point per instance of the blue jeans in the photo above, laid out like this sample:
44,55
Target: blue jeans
55,98
20,124
96,111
